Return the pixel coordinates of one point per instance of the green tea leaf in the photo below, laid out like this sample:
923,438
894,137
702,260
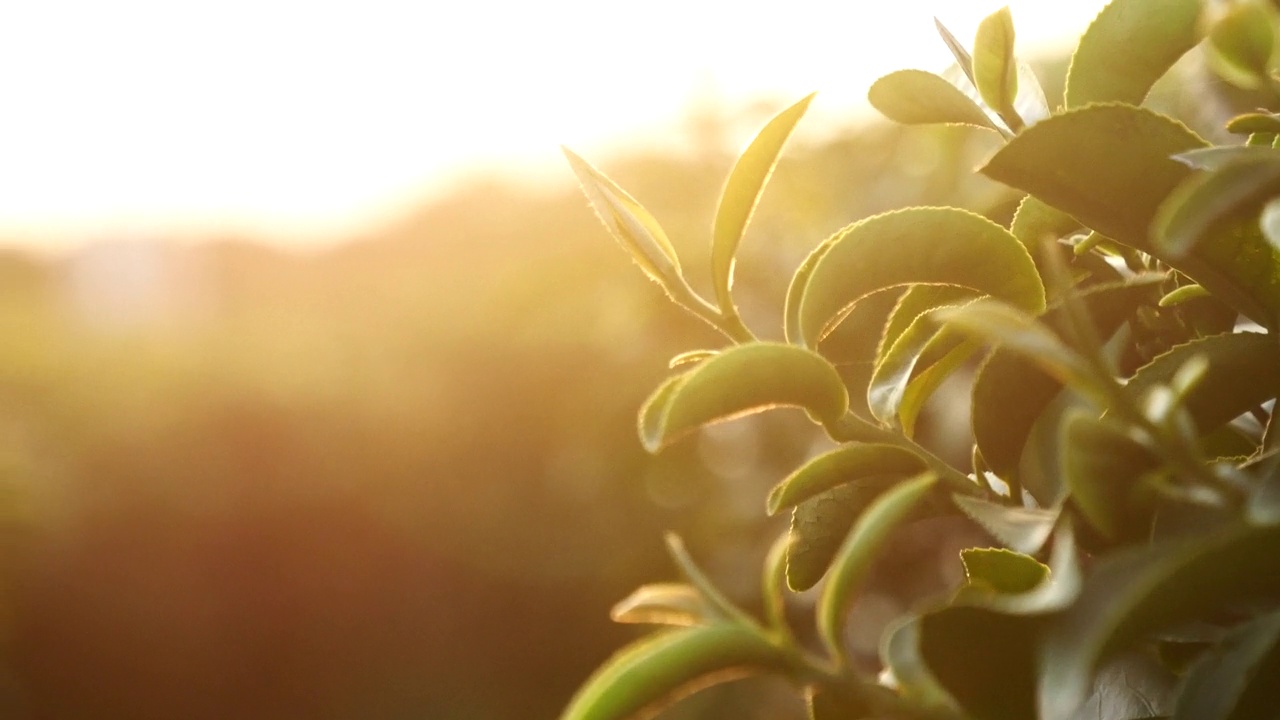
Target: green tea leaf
1202,204
1250,123
742,193
846,464
820,524
995,69
1133,685
1101,466
628,221
662,604
964,61
916,301
1186,293
1129,46
795,291
1030,103
649,675
1217,157
1242,42
923,383
1002,571
900,653
983,658
1243,372
740,381
943,246
1134,591
1023,530
1034,222
1235,679
1011,392
920,347
860,548
1111,167
916,97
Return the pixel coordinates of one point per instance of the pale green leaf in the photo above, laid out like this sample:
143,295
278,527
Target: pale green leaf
742,192
647,676
846,464
916,97
662,604
1251,123
923,383
1129,46
853,560
740,381
964,60
795,291
1034,222
628,221
917,245
995,69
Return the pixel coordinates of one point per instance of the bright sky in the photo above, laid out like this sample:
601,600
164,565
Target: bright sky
308,120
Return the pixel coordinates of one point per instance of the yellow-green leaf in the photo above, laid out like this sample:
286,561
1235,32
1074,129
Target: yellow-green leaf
642,679
1129,46
853,560
628,221
1197,210
916,97
918,348
1250,123
740,381
995,69
742,192
662,604
1111,167
846,464
1034,222
944,246
1002,571
1242,42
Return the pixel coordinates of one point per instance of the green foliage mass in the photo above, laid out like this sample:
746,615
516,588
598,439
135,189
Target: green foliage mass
1126,453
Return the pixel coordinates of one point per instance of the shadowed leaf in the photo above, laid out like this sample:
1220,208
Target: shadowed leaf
840,466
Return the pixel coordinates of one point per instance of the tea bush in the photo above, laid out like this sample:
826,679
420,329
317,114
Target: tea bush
1125,455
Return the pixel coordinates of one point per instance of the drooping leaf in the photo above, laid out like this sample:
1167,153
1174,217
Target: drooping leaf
853,560
742,192
1235,679
1023,530
1250,123
649,675
1243,372
1129,46
628,221
1002,571
900,653
1242,42
995,69
662,604
918,245
1101,467
739,381
1010,392
846,464
1111,167
916,97
1134,591
1201,205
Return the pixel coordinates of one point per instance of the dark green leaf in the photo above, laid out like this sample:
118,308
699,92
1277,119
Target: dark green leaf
917,245
1023,530
900,653
629,222
1101,466
1111,167
819,525
1132,592
846,464
916,97
853,560
1133,686
645,677
1199,207
795,291
1002,571
995,69
982,658
1236,679
742,192
1129,46
739,381
662,604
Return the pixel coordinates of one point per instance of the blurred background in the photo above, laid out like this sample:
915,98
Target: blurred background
318,377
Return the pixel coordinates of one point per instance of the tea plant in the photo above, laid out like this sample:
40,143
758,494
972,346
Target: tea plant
1126,456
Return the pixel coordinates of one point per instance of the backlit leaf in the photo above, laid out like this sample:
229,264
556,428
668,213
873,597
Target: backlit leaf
628,221
739,381
1111,167
846,464
1002,571
1023,530
1250,123
853,560
964,60
742,192
1129,46
916,97
995,69
642,679
662,604
917,245
919,347
1034,222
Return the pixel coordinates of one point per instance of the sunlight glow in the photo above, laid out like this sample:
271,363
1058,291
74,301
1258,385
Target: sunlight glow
308,121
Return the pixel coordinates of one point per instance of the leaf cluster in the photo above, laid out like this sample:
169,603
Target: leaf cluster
1124,329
